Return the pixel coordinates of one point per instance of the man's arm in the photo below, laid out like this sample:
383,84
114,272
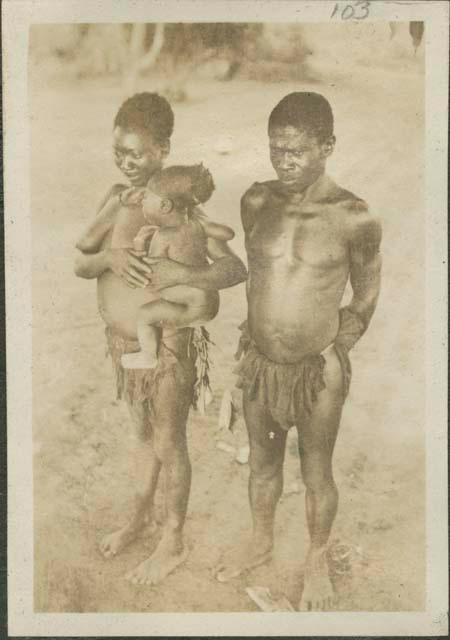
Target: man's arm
365,279
251,203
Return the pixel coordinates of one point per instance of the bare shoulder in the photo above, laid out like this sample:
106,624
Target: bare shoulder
111,193
362,226
253,201
365,227
169,234
202,223
364,231
256,195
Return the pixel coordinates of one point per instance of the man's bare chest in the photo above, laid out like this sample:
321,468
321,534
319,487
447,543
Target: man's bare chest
310,236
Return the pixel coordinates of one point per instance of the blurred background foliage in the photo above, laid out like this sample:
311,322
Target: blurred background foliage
177,52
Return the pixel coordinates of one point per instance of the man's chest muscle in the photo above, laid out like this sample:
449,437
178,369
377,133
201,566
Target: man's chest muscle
306,237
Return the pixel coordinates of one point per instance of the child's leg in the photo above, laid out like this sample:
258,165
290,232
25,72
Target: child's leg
148,337
162,313
197,306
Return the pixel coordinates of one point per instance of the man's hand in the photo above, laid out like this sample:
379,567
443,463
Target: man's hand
166,272
129,266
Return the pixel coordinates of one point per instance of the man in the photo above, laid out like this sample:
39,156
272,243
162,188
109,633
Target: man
158,400
305,237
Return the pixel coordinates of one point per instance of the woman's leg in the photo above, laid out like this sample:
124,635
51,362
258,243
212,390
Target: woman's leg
171,408
146,467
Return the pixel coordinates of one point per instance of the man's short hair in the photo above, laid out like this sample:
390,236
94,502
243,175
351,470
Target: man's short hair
305,111
148,112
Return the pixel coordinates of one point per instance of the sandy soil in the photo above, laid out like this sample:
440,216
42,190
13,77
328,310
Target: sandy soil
83,484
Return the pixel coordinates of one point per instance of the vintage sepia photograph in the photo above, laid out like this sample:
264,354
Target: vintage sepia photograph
229,308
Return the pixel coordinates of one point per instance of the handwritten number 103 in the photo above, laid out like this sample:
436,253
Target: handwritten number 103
356,11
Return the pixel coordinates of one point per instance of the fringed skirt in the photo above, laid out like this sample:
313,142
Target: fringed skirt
188,368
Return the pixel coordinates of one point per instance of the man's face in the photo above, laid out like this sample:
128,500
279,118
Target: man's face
137,155
297,157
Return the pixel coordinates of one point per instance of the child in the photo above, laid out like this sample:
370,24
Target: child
174,231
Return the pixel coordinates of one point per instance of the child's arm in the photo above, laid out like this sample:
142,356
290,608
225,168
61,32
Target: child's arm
143,236
99,227
215,230
159,246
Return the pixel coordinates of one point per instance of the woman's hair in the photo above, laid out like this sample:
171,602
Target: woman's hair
305,111
148,112
186,186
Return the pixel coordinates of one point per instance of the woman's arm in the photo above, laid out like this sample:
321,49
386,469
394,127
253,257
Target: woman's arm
94,235
91,262
225,271
125,263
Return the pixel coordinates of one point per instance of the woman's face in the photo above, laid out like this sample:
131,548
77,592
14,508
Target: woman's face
137,155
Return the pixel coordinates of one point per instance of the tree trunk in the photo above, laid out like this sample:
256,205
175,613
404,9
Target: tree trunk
139,59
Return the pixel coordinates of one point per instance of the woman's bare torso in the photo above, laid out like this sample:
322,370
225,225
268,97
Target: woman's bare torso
118,303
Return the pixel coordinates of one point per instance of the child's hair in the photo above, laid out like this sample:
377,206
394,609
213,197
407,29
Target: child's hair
305,111
148,112
186,186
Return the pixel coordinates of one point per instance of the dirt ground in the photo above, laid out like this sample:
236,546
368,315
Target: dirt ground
82,480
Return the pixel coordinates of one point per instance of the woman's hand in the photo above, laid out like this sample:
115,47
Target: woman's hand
129,265
166,272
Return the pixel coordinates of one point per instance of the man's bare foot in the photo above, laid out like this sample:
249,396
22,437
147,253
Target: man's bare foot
318,593
250,557
113,543
167,556
138,360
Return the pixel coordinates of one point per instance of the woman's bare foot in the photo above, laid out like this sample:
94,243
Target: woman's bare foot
169,553
251,556
138,360
113,543
318,593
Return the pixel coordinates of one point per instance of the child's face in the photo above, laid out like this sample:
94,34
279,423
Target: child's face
137,155
152,207
297,157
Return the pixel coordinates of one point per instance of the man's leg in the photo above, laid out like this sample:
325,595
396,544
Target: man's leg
267,446
171,409
317,437
146,466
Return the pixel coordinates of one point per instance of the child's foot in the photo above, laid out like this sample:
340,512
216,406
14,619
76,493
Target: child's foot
139,360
